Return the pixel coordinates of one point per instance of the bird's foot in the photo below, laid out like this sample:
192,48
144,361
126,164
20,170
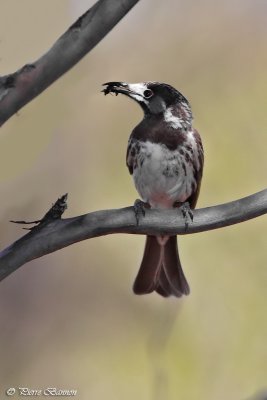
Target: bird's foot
140,208
186,212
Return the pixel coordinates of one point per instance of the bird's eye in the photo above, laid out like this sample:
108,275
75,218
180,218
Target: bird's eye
148,93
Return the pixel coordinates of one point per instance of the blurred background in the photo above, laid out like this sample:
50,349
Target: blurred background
70,320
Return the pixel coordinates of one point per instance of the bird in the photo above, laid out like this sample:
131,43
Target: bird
165,158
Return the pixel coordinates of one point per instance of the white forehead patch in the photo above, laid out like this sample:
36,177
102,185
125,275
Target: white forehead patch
137,90
171,119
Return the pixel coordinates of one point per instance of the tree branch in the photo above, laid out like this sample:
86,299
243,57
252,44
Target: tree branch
52,233
21,87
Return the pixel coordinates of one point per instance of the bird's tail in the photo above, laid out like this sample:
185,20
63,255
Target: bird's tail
161,269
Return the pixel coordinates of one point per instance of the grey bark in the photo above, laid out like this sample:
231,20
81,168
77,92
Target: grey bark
19,88
54,233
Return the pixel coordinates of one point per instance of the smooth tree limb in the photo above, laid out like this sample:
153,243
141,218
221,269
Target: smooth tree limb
20,87
53,233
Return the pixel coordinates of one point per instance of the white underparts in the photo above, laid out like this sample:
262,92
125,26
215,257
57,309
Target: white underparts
171,119
162,176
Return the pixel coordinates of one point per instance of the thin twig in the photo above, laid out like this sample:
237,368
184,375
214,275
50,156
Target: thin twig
55,212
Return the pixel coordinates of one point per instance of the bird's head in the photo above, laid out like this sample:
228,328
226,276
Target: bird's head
155,98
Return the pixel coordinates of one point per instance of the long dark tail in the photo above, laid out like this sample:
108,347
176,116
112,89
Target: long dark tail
161,269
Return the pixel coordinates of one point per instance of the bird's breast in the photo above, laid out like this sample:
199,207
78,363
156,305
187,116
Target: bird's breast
162,176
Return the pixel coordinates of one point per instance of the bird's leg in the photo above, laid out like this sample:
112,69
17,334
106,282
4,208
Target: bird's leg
140,208
186,212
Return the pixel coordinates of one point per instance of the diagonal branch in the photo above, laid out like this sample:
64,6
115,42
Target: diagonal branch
54,233
21,87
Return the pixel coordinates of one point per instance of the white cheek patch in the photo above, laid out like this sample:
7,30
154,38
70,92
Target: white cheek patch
138,97
137,90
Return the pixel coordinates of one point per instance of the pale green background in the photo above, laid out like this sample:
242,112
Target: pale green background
70,319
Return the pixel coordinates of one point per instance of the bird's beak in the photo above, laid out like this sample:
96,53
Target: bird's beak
116,87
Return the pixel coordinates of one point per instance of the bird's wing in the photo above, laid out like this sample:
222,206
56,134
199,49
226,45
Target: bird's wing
193,198
130,156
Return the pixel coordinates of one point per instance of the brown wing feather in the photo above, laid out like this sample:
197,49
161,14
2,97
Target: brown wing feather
130,157
192,200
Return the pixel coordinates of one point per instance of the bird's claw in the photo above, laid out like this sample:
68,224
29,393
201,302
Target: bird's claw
187,214
139,209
